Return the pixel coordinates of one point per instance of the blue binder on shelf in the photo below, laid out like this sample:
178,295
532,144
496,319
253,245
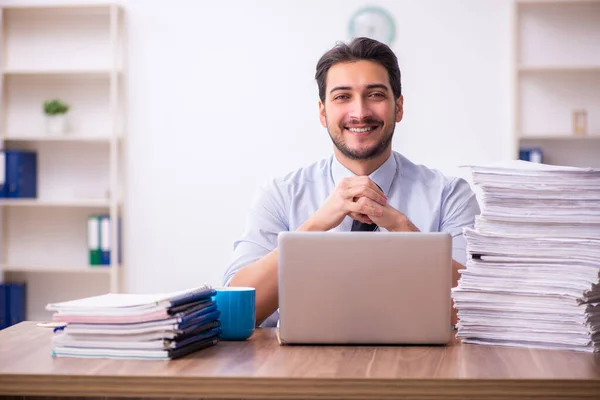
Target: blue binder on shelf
16,301
12,303
4,311
105,240
533,154
18,175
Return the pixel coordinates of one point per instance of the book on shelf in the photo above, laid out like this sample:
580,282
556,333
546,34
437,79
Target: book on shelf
531,154
12,303
99,240
18,174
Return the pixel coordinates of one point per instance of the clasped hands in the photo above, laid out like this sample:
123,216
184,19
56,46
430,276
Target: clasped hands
364,201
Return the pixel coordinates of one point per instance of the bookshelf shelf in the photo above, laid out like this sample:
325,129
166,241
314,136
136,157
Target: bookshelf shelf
558,69
59,72
565,137
556,76
54,203
74,138
88,96
554,2
74,53
84,269
57,8
62,38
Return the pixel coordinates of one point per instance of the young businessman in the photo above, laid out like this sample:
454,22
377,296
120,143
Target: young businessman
364,185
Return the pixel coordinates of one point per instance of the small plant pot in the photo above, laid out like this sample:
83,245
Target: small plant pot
56,124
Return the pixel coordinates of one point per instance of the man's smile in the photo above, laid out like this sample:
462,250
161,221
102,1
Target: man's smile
361,130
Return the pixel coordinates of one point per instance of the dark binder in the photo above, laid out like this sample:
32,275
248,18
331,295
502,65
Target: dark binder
185,350
199,320
196,329
199,337
17,302
4,306
195,295
20,174
196,314
190,307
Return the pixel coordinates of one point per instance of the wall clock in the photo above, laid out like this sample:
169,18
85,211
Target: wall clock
373,22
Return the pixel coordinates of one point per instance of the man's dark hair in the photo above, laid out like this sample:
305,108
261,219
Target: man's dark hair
361,48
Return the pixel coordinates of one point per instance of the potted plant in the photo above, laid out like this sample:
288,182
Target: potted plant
56,119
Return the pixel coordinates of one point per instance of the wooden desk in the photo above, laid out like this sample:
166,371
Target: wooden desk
260,368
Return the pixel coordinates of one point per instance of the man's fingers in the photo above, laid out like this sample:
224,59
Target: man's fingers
361,217
366,207
370,183
366,191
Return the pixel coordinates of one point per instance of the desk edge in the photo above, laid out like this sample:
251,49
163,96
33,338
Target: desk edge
257,387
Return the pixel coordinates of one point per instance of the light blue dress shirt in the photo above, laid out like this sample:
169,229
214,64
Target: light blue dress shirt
432,202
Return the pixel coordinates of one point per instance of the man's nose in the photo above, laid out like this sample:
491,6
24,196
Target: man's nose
360,109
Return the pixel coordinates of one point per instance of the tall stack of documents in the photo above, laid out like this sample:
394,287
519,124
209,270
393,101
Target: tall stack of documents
532,273
140,326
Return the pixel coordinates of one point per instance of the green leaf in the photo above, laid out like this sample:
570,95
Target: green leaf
55,106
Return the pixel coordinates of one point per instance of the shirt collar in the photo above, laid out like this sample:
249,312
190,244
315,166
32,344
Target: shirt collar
383,176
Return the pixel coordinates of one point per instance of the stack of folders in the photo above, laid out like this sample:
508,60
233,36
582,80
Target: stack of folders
139,326
532,273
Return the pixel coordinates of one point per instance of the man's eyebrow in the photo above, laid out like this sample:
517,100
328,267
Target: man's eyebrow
371,86
340,88
378,86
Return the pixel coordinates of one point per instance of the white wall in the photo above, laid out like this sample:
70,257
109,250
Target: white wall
222,95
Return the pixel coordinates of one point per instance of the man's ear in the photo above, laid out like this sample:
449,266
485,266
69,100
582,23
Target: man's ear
399,108
322,116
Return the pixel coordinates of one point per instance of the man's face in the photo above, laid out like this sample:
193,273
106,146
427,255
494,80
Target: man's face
360,112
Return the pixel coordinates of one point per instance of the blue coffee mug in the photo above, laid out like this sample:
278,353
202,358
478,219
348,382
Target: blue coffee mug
238,312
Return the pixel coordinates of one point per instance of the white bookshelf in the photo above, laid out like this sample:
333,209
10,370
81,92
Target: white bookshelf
55,203
58,72
73,138
74,53
54,270
557,71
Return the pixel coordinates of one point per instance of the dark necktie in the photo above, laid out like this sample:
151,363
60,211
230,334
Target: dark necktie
361,226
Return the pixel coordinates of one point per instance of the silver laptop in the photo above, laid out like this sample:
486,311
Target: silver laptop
365,288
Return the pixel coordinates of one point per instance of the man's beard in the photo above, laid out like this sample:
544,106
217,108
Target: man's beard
369,154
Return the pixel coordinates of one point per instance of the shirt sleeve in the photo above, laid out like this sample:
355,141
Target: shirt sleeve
459,209
266,218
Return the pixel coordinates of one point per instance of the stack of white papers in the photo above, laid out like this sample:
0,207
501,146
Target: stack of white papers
532,274
141,326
